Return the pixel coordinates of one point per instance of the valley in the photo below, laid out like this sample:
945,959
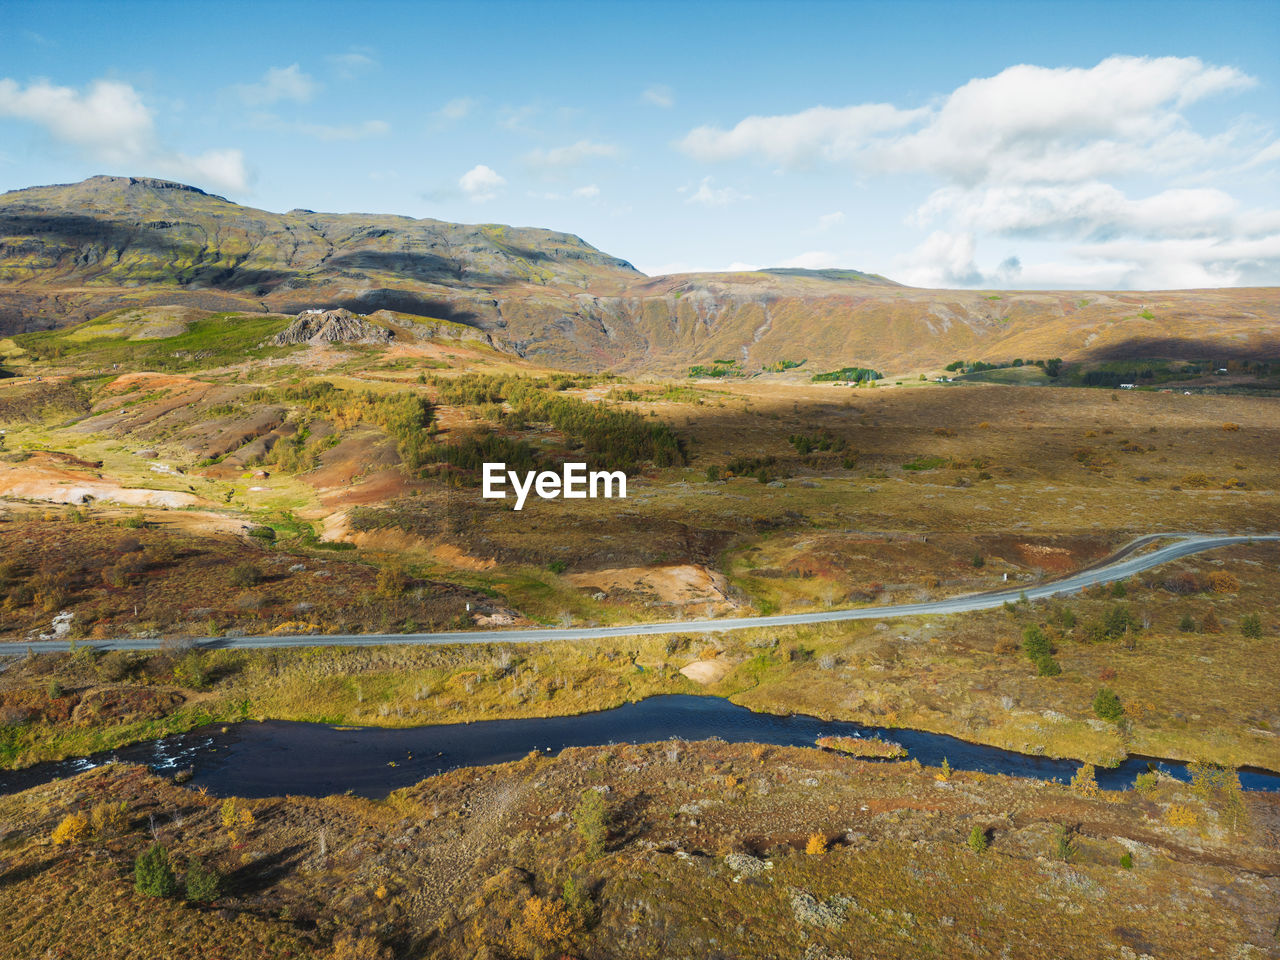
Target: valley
242,470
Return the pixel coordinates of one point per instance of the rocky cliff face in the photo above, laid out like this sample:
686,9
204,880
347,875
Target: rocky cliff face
331,326
69,253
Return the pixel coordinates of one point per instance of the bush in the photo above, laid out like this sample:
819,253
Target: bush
1118,620
245,575
592,822
392,581
73,829
1251,626
204,884
1065,848
1146,783
1085,780
1222,582
1209,623
1184,583
546,926
1186,624
1048,667
816,845
1107,705
978,562
107,818
1118,589
152,873
1035,644
1126,861
978,840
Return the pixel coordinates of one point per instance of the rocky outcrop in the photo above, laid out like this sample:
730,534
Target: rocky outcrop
331,326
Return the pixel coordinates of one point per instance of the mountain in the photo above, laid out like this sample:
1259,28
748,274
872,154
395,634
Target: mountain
72,252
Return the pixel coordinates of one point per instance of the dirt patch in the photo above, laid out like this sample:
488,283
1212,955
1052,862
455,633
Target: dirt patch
677,585
706,672
37,479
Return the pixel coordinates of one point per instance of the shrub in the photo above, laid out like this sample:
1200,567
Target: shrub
191,672
392,581
1118,620
1186,624
713,473
1035,644
978,562
115,665
1118,589
204,884
1184,583
73,829
348,946
108,818
55,690
234,816
1181,815
1067,618
1065,848
245,575
1085,781
1222,582
1126,861
1251,626
1209,623
1230,427
592,822
1146,783
1046,666
546,926
816,845
152,873
978,840
1107,705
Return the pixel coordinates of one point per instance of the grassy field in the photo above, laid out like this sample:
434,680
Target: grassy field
671,849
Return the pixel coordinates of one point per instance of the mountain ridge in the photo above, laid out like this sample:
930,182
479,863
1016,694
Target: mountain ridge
70,252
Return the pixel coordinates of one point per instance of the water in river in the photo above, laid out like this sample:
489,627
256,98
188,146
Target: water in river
311,759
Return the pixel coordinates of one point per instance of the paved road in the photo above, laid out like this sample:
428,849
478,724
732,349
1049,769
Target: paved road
1119,566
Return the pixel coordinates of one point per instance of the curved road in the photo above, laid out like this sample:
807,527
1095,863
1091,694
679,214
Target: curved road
1117,567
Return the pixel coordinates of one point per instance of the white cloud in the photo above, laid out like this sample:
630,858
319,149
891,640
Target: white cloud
279,83
660,95
1088,210
942,260
589,192
456,109
1026,124
571,155
109,119
110,123
225,168
710,196
1030,154
353,63
829,221
819,133
481,183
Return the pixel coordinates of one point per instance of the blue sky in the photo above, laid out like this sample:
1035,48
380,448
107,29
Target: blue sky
970,144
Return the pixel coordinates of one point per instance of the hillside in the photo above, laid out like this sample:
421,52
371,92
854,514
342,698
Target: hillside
73,252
